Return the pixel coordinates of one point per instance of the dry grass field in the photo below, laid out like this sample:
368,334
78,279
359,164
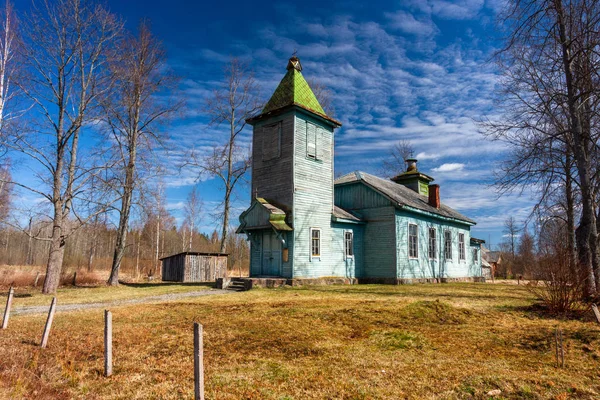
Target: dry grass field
450,341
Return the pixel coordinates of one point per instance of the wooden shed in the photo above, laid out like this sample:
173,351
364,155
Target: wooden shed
192,266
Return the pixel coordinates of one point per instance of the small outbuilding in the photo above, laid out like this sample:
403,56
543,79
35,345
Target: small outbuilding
192,266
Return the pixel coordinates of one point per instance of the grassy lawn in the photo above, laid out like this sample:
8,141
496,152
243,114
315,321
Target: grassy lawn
449,341
28,296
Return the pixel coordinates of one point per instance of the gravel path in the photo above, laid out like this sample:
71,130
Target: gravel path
142,300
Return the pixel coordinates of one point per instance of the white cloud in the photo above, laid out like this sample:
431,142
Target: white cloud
449,167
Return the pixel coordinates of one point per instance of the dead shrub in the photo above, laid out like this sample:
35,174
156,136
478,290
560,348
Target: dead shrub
558,286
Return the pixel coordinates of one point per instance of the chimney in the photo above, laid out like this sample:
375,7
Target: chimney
434,196
411,164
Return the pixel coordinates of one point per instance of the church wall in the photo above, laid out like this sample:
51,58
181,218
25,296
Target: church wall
313,199
423,266
272,173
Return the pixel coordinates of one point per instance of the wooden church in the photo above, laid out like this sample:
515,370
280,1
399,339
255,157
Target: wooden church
303,224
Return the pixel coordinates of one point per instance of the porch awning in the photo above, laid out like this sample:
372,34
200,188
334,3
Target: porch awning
263,215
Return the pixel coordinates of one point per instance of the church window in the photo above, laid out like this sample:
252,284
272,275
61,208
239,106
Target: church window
315,242
432,243
271,141
461,246
413,241
311,140
349,244
448,245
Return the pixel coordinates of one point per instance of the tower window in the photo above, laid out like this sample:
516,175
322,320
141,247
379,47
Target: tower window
271,141
461,246
311,140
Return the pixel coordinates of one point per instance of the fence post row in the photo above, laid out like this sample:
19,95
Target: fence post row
108,367
198,363
48,323
9,300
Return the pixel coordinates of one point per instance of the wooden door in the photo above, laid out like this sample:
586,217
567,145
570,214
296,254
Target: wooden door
271,255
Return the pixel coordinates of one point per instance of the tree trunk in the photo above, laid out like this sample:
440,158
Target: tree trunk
123,228
587,227
55,259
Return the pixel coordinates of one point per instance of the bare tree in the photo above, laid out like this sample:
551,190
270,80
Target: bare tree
396,161
192,212
231,104
551,67
133,114
324,95
65,48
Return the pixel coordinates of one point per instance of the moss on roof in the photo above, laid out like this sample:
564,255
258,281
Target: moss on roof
293,89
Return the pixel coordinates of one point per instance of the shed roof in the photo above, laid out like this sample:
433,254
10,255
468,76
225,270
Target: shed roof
194,253
340,213
402,196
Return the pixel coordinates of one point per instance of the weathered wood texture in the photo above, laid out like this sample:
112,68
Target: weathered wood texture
198,362
186,267
9,301
108,363
272,160
48,323
313,199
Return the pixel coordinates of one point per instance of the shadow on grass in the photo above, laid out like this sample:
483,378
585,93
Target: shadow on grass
30,343
541,311
161,284
425,292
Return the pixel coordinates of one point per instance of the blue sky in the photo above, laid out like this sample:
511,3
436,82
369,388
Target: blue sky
398,70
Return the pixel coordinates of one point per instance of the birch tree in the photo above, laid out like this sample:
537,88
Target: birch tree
192,211
65,51
134,114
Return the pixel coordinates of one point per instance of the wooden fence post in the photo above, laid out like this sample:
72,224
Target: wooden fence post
48,323
108,367
198,363
556,345
11,292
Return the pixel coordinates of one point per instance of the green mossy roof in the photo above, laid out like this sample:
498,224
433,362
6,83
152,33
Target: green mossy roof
293,89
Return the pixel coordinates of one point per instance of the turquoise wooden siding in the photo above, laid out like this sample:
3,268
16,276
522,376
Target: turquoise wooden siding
475,265
313,199
423,266
357,196
349,267
379,242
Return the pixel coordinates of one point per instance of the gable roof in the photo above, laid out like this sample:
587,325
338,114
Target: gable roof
401,196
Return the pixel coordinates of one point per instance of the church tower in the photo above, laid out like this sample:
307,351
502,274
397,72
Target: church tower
289,220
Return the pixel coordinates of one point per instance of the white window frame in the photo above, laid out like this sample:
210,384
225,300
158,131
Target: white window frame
346,247
432,240
447,244
462,251
416,244
310,243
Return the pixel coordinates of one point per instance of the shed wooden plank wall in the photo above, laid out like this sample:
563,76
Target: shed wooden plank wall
194,268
